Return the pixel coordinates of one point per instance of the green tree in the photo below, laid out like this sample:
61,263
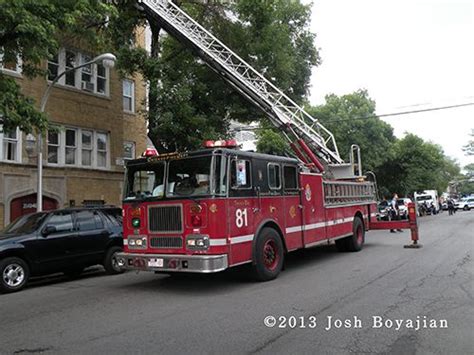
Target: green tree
352,120
189,102
416,165
469,168
30,30
466,181
469,147
271,142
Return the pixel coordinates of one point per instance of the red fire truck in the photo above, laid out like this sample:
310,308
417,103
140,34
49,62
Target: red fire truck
218,207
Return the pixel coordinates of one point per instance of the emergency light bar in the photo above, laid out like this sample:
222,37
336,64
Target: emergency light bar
230,143
150,152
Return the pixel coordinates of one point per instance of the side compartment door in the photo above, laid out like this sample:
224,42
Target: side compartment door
293,208
313,209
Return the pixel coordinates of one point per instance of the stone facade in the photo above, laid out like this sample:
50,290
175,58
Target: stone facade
74,108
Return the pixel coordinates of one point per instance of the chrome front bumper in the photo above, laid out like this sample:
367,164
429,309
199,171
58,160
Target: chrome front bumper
172,262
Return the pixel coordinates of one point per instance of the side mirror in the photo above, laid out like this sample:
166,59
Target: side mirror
49,229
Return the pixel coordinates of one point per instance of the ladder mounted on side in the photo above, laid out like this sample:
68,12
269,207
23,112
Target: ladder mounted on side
312,141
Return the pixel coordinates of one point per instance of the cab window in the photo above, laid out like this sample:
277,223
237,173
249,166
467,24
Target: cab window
274,176
290,180
240,173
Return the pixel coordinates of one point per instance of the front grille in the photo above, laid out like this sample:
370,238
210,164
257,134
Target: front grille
166,242
165,219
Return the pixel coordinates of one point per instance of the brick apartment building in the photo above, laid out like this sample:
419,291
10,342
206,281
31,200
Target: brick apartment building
101,124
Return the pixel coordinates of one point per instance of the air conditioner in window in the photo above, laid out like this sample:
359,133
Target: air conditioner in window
87,86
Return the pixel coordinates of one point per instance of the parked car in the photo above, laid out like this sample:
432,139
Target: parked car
66,240
403,207
465,204
383,210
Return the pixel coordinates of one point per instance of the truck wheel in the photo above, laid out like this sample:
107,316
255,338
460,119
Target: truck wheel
110,261
356,240
268,255
14,273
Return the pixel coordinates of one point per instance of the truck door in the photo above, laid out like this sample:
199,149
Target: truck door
242,209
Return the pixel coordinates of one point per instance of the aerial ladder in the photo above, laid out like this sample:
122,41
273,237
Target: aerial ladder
313,144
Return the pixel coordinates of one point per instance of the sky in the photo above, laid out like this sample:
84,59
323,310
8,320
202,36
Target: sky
409,55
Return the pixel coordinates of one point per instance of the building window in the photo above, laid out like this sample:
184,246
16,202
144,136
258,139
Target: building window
10,146
78,147
128,91
10,63
101,79
101,150
53,147
92,78
86,141
128,150
70,62
71,147
53,67
87,80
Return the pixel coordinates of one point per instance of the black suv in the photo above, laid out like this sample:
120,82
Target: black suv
66,240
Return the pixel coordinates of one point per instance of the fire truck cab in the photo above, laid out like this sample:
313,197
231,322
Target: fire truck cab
211,209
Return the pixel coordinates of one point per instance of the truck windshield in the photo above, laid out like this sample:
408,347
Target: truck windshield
196,176
186,177
145,181
424,198
189,177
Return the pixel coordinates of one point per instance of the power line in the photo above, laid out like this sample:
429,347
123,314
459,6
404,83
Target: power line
248,128
417,111
403,112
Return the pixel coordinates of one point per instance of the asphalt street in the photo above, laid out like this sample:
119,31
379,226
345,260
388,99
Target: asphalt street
226,312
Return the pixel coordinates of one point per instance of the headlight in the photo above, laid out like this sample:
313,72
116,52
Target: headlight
138,242
197,242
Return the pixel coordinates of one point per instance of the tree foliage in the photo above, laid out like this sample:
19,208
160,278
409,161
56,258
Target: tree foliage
401,165
31,30
271,142
469,147
416,165
189,102
465,182
352,120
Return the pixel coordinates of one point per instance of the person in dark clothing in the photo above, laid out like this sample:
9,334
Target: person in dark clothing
395,212
451,208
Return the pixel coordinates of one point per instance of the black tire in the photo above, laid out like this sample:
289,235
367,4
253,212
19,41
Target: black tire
14,273
110,261
355,242
269,255
73,273
466,208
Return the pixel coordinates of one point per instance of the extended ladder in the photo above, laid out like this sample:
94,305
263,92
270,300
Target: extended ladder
281,110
